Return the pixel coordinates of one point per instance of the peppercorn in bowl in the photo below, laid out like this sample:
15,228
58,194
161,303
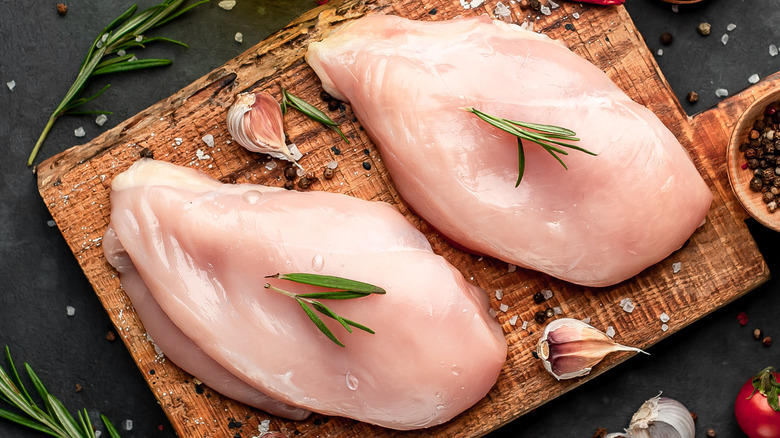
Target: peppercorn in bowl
753,157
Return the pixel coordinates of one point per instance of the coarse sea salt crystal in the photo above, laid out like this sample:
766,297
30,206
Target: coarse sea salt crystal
239,37
503,308
51,223
660,52
502,10
511,268
101,119
271,165
675,8
476,3
11,85
627,305
663,317
547,294
576,15
610,332
524,326
121,52
731,27
553,5
664,327
79,132
492,312
753,79
70,310
227,4
586,320
499,294
773,50
178,141
300,172
465,4
676,267
208,139
724,39
513,320
721,92
202,155
545,10
128,424
557,310
332,164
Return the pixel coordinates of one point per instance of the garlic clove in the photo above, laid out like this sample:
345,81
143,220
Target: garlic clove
660,417
256,122
571,348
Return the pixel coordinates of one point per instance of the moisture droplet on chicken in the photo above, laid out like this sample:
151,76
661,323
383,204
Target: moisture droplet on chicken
197,252
601,221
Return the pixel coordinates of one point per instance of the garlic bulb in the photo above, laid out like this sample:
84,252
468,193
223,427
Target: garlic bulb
255,121
570,348
660,417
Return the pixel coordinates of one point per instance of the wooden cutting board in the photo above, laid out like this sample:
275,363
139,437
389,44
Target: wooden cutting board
720,263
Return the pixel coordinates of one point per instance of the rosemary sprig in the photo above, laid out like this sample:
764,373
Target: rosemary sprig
546,136
309,110
124,33
53,418
344,289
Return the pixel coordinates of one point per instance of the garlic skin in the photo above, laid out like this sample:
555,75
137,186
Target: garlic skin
660,417
255,121
570,348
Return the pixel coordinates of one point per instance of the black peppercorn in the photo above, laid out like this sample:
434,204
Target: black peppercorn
750,153
535,4
756,183
325,96
692,97
289,185
759,125
666,38
752,163
538,298
333,105
768,197
327,173
304,182
290,173
768,174
540,316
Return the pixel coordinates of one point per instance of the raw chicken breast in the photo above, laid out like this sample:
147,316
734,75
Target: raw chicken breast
202,251
600,222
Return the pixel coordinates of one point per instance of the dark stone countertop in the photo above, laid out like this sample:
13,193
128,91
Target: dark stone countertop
703,366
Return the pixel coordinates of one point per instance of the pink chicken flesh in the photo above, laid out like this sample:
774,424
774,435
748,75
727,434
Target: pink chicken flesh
600,222
193,255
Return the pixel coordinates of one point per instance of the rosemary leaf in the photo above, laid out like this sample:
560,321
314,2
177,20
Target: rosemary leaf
66,420
120,34
331,282
549,137
112,432
309,110
346,289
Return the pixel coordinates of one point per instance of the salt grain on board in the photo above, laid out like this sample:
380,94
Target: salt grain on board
11,85
753,79
525,325
773,50
545,10
664,327
547,294
553,5
610,332
676,267
664,317
499,294
202,155
502,10
511,268
70,310
513,320
101,120
721,92
660,52
576,15
503,308
476,3
731,27
208,139
724,39
557,310
627,305
79,132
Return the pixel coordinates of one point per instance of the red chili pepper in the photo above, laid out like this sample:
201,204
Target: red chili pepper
742,318
744,166
602,2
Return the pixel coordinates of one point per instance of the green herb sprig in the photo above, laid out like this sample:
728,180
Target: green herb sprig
345,289
309,110
124,33
53,419
547,136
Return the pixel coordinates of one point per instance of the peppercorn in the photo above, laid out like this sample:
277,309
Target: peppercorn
704,28
538,298
750,153
289,185
768,197
535,4
768,175
304,182
290,173
759,125
767,341
758,334
62,8
692,97
753,134
743,147
333,105
549,313
110,336
325,96
753,163
327,173
540,316
710,433
146,153
756,183
525,4
772,206
666,38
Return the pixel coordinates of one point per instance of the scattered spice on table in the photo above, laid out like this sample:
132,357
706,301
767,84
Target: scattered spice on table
767,341
62,8
704,28
600,433
110,336
758,334
667,38
692,97
710,433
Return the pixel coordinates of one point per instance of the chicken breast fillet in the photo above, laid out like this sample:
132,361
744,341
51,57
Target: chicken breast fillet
203,249
600,222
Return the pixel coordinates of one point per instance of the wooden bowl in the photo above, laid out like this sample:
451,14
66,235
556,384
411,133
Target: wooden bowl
740,178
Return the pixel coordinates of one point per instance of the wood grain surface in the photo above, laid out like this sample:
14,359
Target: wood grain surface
720,262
